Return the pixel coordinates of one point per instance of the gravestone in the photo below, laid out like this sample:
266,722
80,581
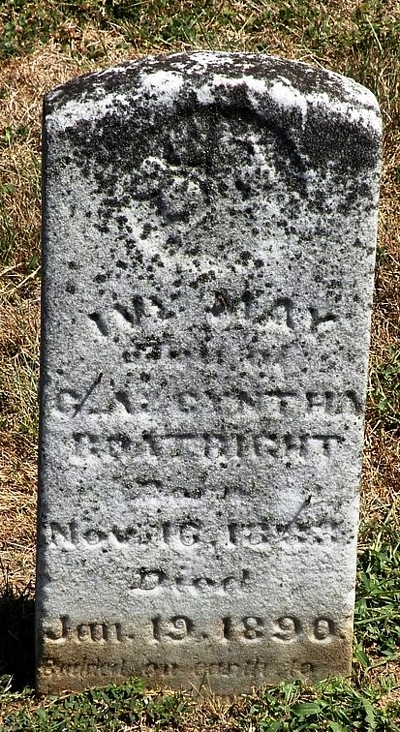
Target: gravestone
209,237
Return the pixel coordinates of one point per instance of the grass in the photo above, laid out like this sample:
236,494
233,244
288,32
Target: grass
386,390
43,44
377,616
334,706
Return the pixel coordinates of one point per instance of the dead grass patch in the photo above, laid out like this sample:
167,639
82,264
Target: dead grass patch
23,82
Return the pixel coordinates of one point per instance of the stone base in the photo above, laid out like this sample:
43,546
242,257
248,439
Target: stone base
227,667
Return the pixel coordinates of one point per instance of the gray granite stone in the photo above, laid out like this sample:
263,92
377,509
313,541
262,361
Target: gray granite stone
209,237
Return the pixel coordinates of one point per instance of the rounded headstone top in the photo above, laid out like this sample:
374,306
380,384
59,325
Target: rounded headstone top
206,78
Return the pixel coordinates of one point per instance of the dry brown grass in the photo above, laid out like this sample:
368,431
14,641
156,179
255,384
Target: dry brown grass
381,475
23,82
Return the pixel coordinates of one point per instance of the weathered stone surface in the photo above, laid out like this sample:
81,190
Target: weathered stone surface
209,231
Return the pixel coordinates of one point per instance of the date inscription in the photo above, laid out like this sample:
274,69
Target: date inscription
61,631
185,536
181,628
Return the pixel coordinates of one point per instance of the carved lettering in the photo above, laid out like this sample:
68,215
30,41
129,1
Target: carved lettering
286,628
248,628
278,402
67,400
186,535
86,444
147,579
302,527
324,444
153,579
281,399
324,629
296,444
210,445
111,669
179,628
254,667
281,312
61,631
330,402
98,668
173,629
120,317
66,535
161,669
214,445
71,535
321,321
188,400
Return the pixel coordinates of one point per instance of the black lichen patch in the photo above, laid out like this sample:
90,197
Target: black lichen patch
197,176
124,78
191,135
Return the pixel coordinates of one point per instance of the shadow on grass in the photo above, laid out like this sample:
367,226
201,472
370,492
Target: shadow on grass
17,636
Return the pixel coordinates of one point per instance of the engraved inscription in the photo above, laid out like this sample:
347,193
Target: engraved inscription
329,402
113,446
302,527
152,579
120,317
212,445
285,629
320,320
251,628
178,535
276,402
173,629
100,669
208,445
323,629
62,631
185,536
245,629
282,312
162,669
